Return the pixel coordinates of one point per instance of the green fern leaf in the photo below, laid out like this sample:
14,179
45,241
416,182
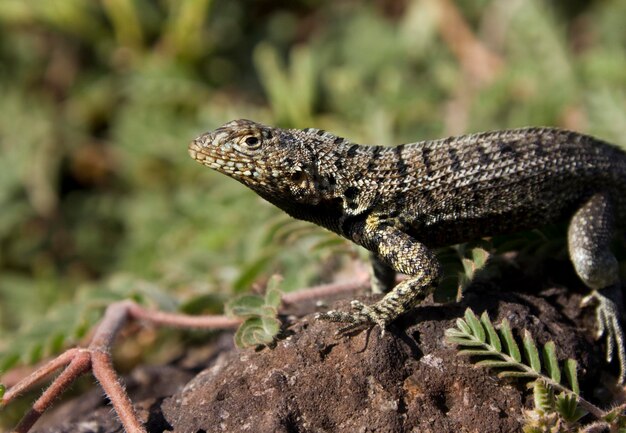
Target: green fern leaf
474,333
475,352
571,374
532,354
463,326
465,342
567,406
543,396
494,363
454,332
493,338
517,374
511,345
477,328
551,362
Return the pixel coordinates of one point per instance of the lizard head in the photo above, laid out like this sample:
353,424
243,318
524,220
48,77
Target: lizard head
281,165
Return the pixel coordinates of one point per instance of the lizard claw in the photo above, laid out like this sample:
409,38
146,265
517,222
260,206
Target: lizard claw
362,317
608,319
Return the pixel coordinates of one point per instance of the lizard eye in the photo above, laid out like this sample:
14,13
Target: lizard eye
248,143
252,141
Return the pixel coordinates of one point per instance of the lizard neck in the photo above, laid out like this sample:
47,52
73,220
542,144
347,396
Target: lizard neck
367,176
326,213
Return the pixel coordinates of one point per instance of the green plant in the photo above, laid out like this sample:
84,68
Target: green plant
99,99
260,325
499,350
554,414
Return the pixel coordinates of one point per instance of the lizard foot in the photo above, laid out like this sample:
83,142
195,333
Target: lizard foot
362,317
608,320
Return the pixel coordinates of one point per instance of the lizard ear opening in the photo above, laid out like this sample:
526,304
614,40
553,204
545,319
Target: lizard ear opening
299,177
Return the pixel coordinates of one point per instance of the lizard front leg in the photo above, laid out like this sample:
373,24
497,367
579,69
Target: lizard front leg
403,254
589,236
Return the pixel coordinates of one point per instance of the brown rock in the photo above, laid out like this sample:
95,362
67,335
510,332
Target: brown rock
408,380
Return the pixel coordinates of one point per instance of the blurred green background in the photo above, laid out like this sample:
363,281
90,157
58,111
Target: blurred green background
98,100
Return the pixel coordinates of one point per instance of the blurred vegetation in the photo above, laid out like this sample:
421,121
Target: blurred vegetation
100,201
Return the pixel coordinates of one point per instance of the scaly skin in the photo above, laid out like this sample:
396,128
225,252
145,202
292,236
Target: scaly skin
401,202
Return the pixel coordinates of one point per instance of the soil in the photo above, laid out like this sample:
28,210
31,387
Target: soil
407,380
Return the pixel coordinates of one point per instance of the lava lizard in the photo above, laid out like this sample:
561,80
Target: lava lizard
402,202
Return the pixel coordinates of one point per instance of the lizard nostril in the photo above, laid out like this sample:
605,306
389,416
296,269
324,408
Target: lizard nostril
198,144
204,140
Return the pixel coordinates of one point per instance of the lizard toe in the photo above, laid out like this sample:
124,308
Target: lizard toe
608,320
372,314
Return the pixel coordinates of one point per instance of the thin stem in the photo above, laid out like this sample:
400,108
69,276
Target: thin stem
41,373
184,320
114,318
79,365
326,290
103,370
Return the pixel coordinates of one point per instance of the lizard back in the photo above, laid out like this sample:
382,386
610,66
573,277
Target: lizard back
461,188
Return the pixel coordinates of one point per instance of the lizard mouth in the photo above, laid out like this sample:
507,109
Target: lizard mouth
206,149
197,148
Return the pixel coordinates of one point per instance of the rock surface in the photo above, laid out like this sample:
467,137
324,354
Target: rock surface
407,380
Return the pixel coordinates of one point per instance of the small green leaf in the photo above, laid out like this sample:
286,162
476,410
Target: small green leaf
468,267
611,416
542,396
268,311
480,257
571,374
551,362
509,341
453,332
256,331
2,391
463,341
271,326
493,339
474,323
475,352
567,406
462,282
273,296
463,326
245,306
532,354
493,363
518,374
